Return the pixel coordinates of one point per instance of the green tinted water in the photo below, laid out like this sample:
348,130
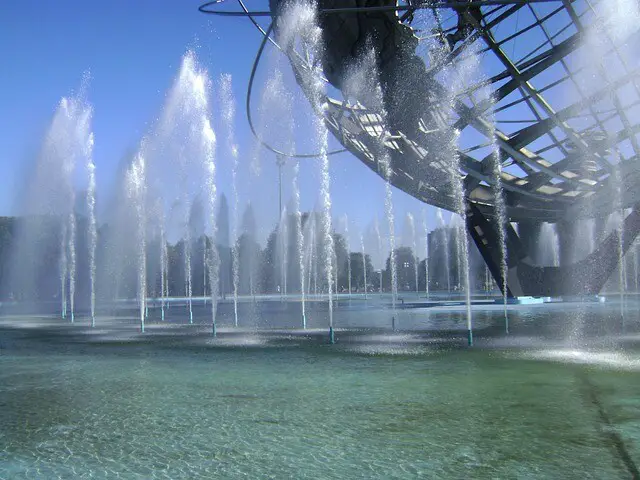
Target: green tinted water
312,412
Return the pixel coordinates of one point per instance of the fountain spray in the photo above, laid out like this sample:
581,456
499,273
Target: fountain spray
412,234
187,272
300,21
164,263
92,232
299,238
364,265
426,253
136,183
345,220
228,105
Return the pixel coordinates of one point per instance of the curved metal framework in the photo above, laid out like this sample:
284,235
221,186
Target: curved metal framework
566,119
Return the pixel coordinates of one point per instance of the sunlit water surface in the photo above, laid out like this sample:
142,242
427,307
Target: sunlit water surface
545,402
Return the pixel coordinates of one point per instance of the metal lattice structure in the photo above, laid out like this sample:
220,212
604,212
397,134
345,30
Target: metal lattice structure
563,108
553,98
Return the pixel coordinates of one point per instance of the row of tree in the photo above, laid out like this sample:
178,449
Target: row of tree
280,266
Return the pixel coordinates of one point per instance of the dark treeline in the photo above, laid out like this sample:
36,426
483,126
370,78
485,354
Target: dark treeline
262,270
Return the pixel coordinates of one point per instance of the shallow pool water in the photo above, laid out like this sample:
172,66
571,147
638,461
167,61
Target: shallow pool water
375,405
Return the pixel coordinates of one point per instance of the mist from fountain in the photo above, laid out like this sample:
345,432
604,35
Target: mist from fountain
183,133
487,280
622,277
299,24
548,246
364,265
414,250
188,290
385,162
463,244
92,232
299,240
455,225
345,222
49,206
501,218
164,270
72,264
585,241
63,262
205,262
283,250
444,242
208,140
136,189
634,250
228,106
310,253
363,83
449,156
425,228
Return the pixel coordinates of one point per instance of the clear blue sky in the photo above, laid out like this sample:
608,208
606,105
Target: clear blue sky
133,50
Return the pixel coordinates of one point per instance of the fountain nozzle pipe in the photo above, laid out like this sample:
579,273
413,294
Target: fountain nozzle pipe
332,338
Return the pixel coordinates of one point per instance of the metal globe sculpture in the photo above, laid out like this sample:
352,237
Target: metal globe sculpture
553,121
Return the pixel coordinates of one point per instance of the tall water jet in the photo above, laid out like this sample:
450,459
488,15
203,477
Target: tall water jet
635,265
72,264
494,159
622,280
300,22
209,144
92,231
188,290
228,105
63,261
310,253
487,280
248,252
456,226
299,239
414,250
137,189
208,139
364,265
335,276
49,204
501,220
444,243
195,229
185,133
388,207
204,268
345,220
364,83
283,247
451,159
426,253
463,244
376,230
164,269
